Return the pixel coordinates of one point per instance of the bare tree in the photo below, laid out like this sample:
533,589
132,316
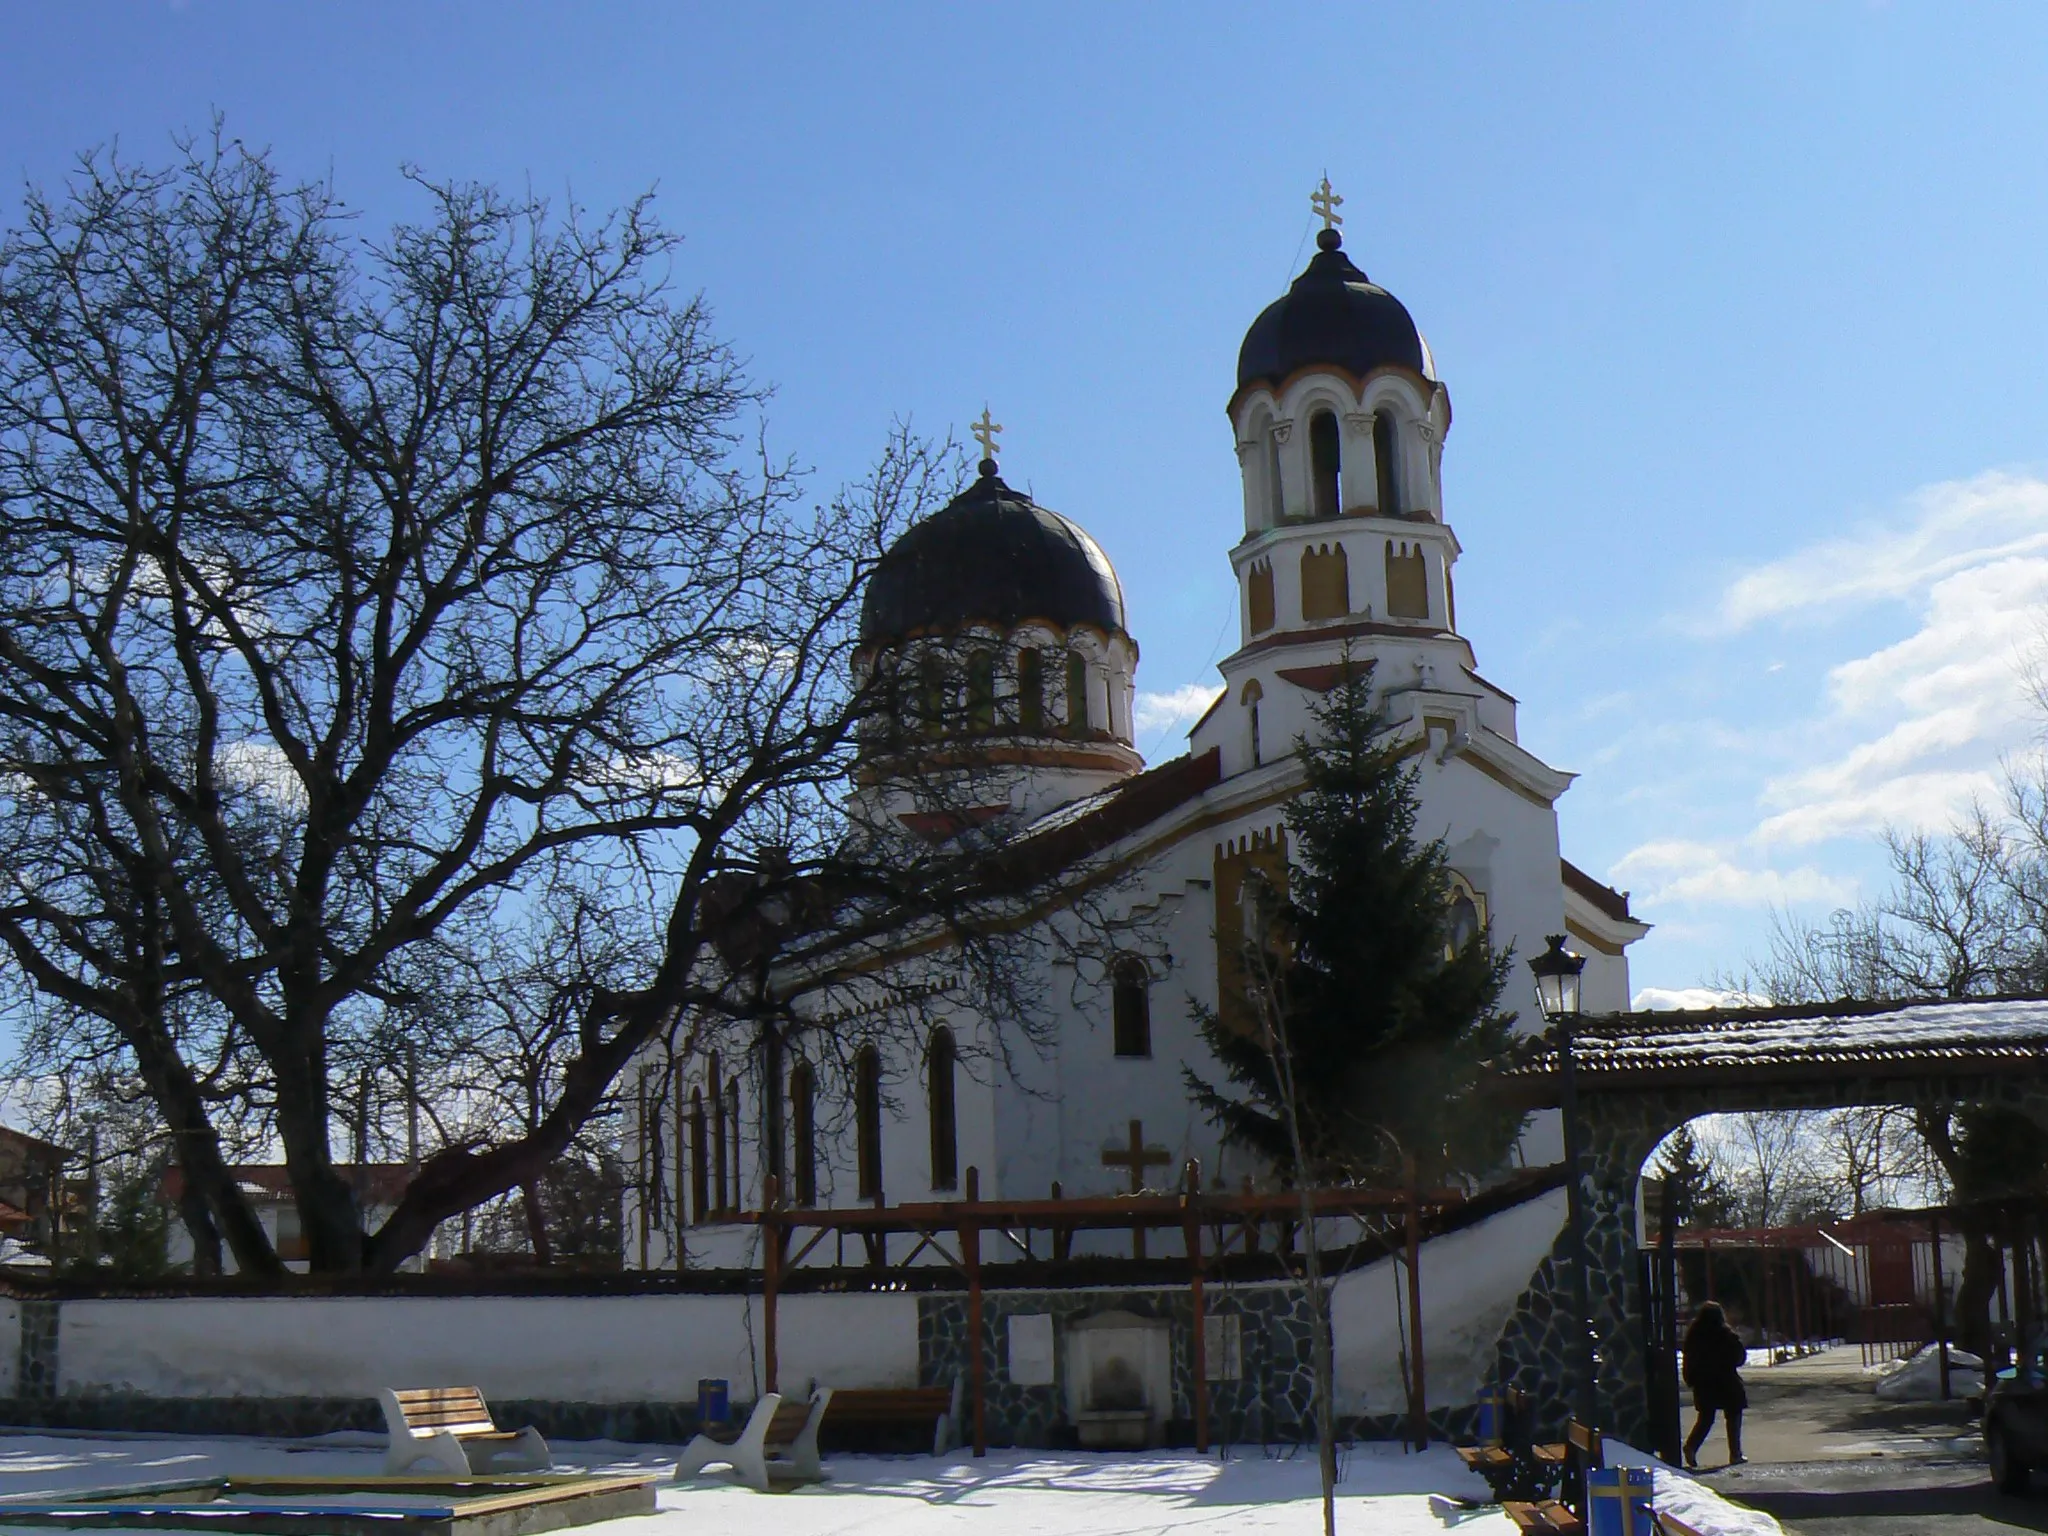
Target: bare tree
356,595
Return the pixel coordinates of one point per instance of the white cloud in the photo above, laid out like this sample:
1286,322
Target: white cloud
263,768
1954,526
1649,999
1183,706
1701,874
1926,717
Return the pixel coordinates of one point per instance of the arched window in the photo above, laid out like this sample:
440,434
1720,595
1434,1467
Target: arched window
1384,448
1325,582
981,691
1131,1007
718,1165
1251,696
1276,488
732,1119
1466,919
931,693
1031,691
1077,694
1259,584
803,1126
867,1120
938,1065
1326,461
700,1157
773,1126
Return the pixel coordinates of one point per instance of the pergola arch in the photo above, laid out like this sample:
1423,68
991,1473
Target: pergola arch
1641,1076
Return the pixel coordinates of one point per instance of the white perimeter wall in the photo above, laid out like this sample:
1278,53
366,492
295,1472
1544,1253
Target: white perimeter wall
609,1349
1470,1281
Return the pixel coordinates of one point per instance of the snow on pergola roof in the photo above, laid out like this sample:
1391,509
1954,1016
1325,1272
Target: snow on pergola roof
1950,1036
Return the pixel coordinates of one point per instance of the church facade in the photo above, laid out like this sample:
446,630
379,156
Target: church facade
1004,622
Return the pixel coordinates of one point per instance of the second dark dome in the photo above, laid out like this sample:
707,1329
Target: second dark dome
990,556
1332,315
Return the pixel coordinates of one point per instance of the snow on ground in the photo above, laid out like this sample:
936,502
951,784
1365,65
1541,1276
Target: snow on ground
1917,1377
1688,1499
1382,1492
1073,1494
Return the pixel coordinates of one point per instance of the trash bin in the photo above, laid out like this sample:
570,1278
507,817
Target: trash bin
714,1400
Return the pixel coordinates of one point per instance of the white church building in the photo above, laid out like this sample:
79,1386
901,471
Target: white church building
1005,620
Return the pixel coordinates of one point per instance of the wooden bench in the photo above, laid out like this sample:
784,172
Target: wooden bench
450,1429
778,1445
1547,1518
894,1418
1514,1469
1566,1516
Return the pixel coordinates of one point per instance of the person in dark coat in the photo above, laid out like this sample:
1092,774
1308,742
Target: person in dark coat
1714,1354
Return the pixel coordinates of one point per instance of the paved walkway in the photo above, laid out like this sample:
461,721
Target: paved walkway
1828,1457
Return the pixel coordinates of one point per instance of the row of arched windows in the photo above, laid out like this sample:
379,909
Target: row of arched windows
715,1144
714,1113
1329,493
1050,693
714,1130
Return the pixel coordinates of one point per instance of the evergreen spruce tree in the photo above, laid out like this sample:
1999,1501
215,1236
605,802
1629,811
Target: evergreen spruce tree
1368,1018
1693,1187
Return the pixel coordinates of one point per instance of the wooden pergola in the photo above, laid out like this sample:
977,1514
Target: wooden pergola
1236,1218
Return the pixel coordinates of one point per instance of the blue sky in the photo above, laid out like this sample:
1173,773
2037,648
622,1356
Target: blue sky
1741,309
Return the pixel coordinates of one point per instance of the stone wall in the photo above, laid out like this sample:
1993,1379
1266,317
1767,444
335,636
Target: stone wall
1272,1400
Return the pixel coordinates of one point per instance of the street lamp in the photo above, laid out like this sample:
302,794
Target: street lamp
1558,972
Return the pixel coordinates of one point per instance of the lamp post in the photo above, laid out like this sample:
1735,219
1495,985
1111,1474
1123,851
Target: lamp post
1557,972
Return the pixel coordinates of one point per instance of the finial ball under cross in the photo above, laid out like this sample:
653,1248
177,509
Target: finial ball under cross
986,432
1326,203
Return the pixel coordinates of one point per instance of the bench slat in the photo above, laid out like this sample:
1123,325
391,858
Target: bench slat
1549,1518
892,1403
459,1410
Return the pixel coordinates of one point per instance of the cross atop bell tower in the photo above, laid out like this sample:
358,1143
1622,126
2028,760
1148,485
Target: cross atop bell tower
986,431
1326,203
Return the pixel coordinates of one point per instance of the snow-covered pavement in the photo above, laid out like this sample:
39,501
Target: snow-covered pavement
1383,1492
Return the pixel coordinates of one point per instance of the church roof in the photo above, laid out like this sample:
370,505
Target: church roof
1603,898
990,556
1333,314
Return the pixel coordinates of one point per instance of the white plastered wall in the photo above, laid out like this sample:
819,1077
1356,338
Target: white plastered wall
594,1349
1470,1281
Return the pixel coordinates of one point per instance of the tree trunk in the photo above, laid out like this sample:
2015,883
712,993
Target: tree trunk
536,1222
197,1148
1982,1263
199,1222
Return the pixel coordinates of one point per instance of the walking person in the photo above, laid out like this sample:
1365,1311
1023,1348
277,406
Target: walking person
1714,1355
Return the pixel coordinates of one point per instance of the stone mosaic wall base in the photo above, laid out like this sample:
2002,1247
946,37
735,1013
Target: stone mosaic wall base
1273,1400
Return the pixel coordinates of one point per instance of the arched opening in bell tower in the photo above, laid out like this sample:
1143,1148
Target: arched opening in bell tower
1384,447
1326,464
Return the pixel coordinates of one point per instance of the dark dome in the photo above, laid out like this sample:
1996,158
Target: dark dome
990,556
1332,314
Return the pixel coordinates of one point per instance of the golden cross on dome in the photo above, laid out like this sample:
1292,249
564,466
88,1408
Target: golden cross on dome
1326,203
986,432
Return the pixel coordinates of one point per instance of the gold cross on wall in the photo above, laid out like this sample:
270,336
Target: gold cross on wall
1136,1158
986,432
1326,203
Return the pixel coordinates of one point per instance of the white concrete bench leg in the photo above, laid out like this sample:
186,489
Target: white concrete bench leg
529,1453
416,1454
803,1450
745,1455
